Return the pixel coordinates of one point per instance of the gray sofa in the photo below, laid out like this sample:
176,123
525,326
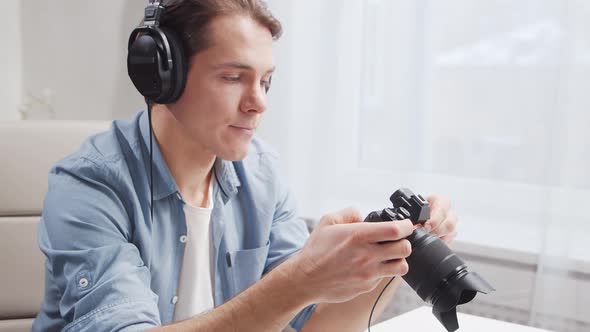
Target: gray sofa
28,150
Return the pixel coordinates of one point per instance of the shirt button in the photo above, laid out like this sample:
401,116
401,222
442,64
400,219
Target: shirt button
182,239
174,300
83,282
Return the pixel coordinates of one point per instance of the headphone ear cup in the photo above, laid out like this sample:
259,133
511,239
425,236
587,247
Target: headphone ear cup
143,64
179,66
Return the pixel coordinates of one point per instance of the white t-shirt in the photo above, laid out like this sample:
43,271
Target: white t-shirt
195,290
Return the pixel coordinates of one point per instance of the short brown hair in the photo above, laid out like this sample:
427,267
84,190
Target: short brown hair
190,19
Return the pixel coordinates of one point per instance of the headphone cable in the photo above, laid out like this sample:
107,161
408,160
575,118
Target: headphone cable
149,107
375,305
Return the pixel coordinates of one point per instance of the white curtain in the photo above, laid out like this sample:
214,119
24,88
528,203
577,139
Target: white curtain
483,101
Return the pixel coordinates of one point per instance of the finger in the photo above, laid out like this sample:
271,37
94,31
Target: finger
392,250
436,218
397,267
449,225
372,232
344,216
439,205
449,238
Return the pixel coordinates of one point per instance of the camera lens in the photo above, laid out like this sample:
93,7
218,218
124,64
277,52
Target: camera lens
440,277
432,263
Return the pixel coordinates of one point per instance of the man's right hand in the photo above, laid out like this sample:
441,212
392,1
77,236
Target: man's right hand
342,259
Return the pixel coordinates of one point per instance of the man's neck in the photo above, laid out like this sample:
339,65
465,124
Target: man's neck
191,164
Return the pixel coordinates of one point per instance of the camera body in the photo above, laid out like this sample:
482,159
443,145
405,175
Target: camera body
436,273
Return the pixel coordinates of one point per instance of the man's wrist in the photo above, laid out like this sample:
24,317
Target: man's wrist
296,280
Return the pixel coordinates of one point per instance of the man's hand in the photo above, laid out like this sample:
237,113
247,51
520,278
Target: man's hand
443,220
342,259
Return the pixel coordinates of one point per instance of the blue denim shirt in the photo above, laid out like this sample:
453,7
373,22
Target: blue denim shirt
110,268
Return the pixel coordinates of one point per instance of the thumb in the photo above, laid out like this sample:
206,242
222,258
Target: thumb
345,216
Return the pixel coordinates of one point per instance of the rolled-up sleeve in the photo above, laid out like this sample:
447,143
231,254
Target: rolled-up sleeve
101,282
288,235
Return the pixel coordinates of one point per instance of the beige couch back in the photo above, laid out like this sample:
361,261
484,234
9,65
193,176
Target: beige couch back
28,149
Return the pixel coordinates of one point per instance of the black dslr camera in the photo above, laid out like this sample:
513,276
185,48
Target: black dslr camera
435,273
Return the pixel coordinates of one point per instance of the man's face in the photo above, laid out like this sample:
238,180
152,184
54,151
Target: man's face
225,96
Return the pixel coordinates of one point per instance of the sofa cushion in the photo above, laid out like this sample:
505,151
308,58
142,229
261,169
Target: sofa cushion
16,325
22,278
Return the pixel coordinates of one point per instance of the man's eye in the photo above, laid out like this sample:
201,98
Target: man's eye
231,78
265,85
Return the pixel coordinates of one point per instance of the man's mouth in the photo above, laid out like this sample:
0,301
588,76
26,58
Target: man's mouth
244,129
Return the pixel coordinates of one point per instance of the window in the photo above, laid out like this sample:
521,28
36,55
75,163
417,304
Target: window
484,102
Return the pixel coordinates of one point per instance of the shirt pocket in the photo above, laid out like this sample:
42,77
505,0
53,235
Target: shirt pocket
246,267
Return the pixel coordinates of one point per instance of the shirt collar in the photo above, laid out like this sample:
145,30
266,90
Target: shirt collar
227,178
164,183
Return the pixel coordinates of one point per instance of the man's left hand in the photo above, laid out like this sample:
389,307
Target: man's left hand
443,220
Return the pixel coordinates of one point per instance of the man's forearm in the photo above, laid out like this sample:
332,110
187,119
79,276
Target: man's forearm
268,305
353,315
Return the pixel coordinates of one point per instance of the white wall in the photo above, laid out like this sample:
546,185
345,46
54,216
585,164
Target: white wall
10,59
78,50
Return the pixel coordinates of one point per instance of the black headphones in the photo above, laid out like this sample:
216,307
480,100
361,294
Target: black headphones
156,59
157,66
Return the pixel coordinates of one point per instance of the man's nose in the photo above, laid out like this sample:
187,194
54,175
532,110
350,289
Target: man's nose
254,100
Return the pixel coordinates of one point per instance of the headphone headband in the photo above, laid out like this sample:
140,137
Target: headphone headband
152,13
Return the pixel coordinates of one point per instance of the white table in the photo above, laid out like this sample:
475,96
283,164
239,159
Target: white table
423,320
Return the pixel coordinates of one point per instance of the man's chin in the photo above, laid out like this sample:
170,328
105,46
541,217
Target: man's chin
236,154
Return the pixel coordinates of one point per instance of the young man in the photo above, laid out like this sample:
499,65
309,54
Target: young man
223,216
